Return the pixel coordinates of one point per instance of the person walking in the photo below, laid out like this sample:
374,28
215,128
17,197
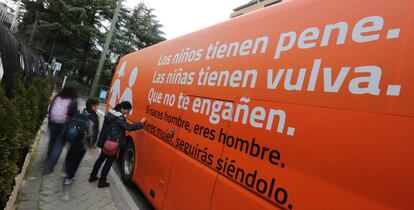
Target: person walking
112,135
63,107
81,132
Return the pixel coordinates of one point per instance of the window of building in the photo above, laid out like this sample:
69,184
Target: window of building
271,3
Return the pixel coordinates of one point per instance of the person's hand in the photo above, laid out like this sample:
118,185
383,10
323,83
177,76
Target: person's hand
144,120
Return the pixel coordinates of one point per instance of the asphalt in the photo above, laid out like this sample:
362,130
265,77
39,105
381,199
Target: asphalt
136,194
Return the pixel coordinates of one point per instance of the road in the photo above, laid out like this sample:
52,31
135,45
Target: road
135,193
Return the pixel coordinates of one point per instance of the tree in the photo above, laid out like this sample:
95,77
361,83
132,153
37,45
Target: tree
136,29
69,30
74,31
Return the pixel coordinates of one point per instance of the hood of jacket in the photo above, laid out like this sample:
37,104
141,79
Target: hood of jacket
114,114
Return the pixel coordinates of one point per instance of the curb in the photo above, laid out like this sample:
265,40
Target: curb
121,188
20,177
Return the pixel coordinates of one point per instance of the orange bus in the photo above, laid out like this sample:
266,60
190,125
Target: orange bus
301,105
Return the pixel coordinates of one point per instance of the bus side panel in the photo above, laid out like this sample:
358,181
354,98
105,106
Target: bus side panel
335,158
230,195
143,146
191,185
192,177
363,159
161,158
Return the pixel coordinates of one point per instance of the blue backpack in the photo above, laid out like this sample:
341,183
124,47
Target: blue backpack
77,130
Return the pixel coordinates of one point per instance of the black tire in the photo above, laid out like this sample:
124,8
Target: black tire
127,163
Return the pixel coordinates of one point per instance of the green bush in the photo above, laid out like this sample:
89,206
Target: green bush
20,118
26,111
9,146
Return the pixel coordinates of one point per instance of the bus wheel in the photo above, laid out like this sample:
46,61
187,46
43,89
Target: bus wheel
127,163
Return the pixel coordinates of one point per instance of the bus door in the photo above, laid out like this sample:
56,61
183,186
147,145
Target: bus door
162,132
254,158
193,174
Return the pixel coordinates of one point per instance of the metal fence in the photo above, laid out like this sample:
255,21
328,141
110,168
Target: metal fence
16,57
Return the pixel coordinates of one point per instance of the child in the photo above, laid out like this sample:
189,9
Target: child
63,107
81,133
113,129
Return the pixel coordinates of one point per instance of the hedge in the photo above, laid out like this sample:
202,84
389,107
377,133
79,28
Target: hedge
20,118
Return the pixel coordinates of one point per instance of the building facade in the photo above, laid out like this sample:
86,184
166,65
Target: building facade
251,6
6,14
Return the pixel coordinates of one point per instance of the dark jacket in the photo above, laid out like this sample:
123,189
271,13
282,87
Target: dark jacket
114,127
94,121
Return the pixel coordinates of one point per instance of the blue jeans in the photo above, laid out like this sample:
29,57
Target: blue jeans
56,144
75,153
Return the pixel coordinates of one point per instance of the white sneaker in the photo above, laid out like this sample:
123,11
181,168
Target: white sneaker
68,181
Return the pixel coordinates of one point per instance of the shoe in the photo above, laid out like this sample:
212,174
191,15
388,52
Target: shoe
47,171
63,174
92,178
68,181
103,183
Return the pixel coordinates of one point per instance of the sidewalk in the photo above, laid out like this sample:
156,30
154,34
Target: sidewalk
45,191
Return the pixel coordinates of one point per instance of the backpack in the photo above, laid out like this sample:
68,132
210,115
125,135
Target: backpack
78,130
59,110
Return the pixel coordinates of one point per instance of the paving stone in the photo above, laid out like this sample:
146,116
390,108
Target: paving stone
101,204
57,202
33,196
72,204
48,192
44,192
93,208
42,203
48,207
106,201
28,205
83,205
50,198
